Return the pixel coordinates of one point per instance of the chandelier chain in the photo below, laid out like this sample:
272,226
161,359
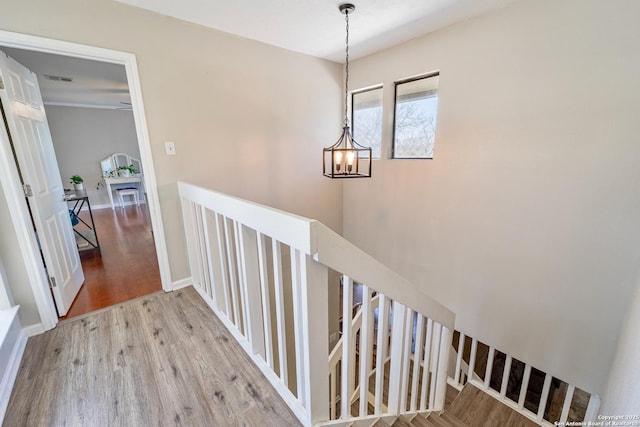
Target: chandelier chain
346,80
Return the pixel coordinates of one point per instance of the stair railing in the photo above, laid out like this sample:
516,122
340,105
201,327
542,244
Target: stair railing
265,274
510,381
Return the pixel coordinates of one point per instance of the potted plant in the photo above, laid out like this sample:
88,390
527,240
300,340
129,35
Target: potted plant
127,170
77,182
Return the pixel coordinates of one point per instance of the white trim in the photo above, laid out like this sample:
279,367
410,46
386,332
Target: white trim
182,283
33,330
13,365
13,191
77,105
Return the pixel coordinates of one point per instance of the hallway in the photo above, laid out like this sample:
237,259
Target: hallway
159,360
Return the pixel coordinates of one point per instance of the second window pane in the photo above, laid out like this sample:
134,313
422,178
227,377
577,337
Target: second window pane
415,118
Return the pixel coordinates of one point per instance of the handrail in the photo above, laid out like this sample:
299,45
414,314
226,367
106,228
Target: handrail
341,255
324,245
290,229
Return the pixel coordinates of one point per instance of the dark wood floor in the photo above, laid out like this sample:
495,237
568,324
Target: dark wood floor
127,267
162,360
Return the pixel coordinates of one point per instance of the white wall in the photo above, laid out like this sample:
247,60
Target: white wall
526,221
247,118
623,389
84,136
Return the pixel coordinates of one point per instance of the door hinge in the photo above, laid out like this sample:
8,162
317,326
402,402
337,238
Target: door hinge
52,282
27,190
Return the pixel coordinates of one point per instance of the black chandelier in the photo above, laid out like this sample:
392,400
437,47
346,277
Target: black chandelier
346,158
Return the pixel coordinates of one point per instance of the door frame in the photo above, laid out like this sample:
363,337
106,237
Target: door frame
14,193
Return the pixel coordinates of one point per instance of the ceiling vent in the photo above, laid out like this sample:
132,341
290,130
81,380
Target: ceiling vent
58,78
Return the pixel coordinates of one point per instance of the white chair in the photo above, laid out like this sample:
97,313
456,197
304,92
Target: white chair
122,192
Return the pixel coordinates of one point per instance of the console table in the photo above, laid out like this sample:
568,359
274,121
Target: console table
113,177
138,181
80,198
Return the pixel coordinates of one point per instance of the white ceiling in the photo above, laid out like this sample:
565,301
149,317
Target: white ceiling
95,84
313,27
316,27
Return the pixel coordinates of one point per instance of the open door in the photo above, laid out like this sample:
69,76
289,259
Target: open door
26,122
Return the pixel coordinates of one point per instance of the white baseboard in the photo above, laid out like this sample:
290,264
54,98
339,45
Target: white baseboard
11,371
182,283
33,330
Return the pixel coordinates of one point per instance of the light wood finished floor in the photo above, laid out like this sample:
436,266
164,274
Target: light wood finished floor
161,360
128,267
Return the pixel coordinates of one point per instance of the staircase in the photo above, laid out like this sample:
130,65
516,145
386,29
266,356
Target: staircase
471,408
267,274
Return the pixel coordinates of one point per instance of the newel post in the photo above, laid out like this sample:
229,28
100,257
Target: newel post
190,234
310,288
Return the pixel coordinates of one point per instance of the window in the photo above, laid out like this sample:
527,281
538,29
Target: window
414,129
366,118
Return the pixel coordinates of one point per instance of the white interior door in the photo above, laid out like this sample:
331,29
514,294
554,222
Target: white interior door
29,131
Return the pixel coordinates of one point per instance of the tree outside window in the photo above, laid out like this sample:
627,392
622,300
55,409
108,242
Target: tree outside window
416,107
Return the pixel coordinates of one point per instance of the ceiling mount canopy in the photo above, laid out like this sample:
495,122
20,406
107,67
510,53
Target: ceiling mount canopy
346,158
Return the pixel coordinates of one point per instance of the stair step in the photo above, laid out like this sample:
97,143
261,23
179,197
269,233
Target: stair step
420,421
452,420
438,421
402,421
474,407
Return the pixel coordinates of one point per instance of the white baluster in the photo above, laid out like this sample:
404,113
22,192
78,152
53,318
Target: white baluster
427,364
543,398
264,293
487,372
435,361
280,313
366,348
211,246
567,404
472,359
296,284
525,385
231,268
406,359
205,271
397,344
381,349
592,408
416,362
242,292
250,272
223,264
347,359
456,377
506,373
